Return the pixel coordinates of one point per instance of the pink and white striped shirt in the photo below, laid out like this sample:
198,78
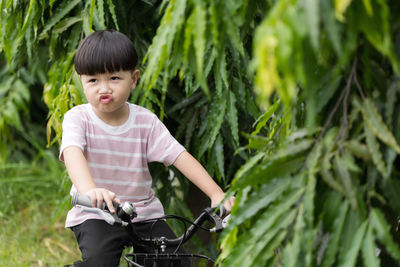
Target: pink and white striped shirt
118,155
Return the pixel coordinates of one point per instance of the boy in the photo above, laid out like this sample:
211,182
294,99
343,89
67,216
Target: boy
107,144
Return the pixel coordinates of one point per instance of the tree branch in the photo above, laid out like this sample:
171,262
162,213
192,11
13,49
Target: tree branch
344,94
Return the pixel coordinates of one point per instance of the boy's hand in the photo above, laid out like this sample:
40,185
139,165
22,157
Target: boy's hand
217,198
98,195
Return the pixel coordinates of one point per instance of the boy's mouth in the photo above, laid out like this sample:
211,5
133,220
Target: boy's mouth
105,99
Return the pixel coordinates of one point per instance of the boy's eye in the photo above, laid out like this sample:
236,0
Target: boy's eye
114,78
92,80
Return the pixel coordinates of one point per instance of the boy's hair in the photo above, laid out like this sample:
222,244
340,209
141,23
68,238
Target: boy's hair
105,51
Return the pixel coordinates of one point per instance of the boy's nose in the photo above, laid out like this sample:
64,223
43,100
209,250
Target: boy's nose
104,89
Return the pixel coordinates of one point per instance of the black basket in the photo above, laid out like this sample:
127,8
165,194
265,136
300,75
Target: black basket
167,260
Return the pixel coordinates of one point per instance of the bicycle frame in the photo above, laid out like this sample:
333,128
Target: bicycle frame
126,212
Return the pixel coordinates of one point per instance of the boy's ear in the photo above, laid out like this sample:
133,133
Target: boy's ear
135,78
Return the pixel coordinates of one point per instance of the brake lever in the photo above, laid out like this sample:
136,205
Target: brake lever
219,223
110,218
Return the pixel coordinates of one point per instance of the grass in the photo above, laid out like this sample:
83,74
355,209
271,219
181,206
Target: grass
31,238
33,211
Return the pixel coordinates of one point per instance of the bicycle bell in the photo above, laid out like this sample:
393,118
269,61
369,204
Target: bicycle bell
126,211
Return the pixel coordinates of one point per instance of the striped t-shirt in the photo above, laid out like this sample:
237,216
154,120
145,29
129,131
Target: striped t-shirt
118,155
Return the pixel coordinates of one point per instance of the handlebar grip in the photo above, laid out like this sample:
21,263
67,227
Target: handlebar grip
126,211
83,200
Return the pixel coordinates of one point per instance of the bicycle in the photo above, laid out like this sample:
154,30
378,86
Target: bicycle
126,212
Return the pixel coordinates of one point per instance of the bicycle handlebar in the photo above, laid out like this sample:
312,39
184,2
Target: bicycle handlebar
123,215
207,214
126,212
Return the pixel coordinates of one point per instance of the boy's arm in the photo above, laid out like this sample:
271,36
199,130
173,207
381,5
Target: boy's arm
81,177
196,173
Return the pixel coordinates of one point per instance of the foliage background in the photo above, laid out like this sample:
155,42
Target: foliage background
292,105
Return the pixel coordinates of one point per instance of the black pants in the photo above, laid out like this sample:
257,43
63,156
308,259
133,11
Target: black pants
101,244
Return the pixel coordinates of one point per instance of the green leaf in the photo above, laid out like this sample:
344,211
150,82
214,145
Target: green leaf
188,36
331,25
214,23
258,142
261,199
234,34
190,128
374,150
268,253
314,158
61,12
300,134
215,118
312,12
22,89
91,14
327,175
160,49
264,249
291,251
219,152
228,244
358,149
391,99
391,189
377,126
368,7
333,245
343,174
352,253
232,116
100,13
221,74
264,230
248,166
293,148
383,234
185,103
309,199
27,18
369,250
111,9
263,119
65,24
199,36
11,115
268,170
298,251
349,160
377,29
340,8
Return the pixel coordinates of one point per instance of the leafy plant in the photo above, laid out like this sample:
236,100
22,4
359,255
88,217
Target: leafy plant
292,104
316,191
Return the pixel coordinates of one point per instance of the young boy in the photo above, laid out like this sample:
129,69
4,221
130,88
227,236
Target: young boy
107,144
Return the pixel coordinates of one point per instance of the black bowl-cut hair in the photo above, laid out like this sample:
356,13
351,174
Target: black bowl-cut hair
105,51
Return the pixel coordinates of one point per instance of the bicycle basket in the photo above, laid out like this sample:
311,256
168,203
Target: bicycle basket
170,260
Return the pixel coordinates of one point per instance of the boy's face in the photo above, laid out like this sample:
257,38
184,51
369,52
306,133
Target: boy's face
108,92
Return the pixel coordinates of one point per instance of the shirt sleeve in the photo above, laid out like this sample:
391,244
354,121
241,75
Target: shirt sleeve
161,145
73,132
